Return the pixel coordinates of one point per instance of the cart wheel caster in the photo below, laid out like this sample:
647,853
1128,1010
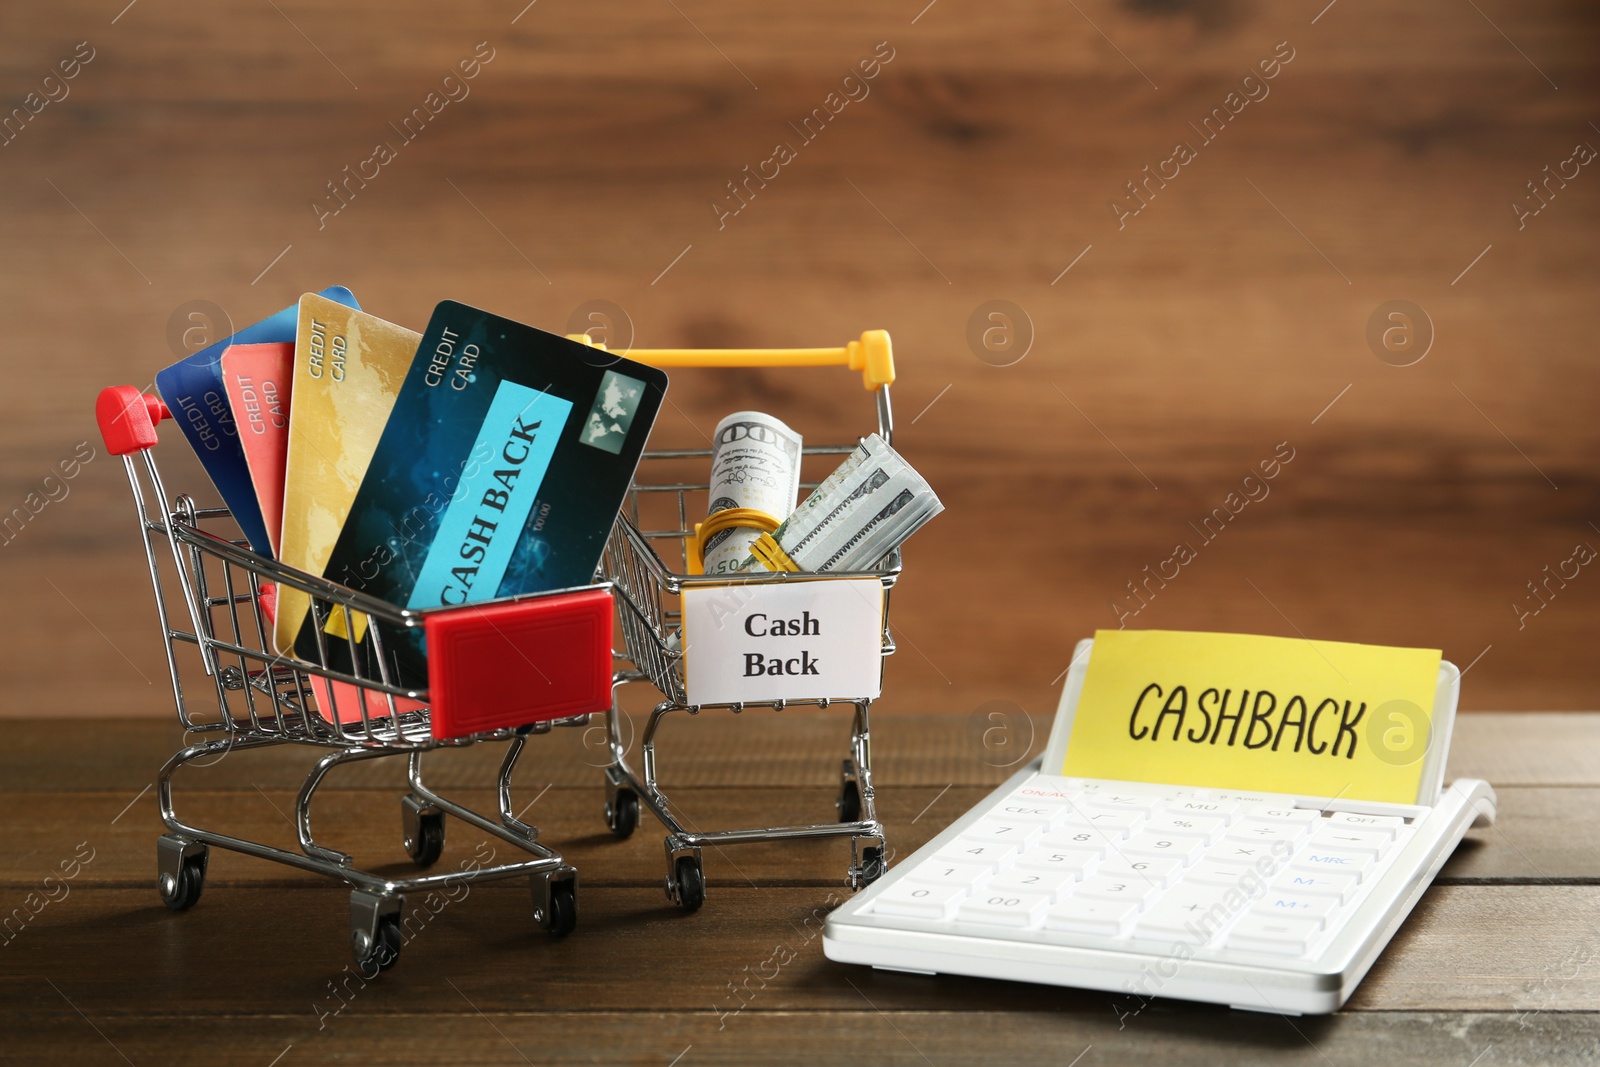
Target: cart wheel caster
562,916
849,802
374,954
181,871
375,936
424,831
622,813
689,881
872,866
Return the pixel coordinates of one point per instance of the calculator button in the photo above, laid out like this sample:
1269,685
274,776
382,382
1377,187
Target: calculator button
1374,844
1021,879
1271,933
1066,790
1252,800
990,854
1051,858
1184,916
1113,824
1194,899
1160,871
1220,872
1001,831
1340,887
1080,838
1202,826
1327,859
1031,811
1282,813
1295,906
1108,918
1124,801
1252,829
1100,887
1388,824
1003,909
916,901
1186,849
1226,810
938,872
1243,852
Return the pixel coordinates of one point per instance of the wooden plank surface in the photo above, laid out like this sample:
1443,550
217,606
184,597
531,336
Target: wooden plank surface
1504,951
737,771
892,1038
718,749
1465,948
1542,835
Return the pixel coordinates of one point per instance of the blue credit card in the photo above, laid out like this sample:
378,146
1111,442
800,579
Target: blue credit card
500,472
193,390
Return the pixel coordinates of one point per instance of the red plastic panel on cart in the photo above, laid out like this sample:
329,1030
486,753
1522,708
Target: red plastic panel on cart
128,419
506,665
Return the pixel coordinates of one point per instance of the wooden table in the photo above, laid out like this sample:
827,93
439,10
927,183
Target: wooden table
1499,964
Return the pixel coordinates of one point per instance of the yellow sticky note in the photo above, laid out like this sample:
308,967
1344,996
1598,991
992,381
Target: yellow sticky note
1272,714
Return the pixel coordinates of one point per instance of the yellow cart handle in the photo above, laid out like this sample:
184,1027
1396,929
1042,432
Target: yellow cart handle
872,356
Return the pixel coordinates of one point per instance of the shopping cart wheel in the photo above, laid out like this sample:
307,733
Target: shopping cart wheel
424,831
375,930
382,952
180,871
849,802
872,866
555,900
622,812
689,883
563,916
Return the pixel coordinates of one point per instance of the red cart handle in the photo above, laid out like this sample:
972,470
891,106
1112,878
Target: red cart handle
128,419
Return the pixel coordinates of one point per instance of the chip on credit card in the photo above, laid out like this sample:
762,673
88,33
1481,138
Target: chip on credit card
500,472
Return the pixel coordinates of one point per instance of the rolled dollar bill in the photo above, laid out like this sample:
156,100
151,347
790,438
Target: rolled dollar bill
859,514
755,466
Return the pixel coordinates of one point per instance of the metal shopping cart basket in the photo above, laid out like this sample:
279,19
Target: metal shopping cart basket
498,671
648,560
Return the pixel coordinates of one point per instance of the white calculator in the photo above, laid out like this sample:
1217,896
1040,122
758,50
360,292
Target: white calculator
1267,902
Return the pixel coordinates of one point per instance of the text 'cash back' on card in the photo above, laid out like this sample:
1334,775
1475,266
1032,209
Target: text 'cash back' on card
500,471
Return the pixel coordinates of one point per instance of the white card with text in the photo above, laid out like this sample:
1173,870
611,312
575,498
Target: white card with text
791,641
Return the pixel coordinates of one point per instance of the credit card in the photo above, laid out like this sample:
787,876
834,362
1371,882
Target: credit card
500,472
338,702
258,380
348,369
194,391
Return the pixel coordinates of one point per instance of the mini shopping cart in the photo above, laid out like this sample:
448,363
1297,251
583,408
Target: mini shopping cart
498,671
655,528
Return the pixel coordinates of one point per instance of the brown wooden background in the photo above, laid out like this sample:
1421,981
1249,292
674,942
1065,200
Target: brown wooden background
1221,321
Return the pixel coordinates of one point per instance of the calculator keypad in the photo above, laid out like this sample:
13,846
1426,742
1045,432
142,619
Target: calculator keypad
1229,871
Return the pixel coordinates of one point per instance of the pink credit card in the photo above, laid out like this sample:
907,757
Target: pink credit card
258,380
346,709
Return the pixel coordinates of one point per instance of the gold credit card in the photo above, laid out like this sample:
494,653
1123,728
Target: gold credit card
348,368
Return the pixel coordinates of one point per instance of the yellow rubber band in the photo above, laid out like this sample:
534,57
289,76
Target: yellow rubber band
771,555
726,519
